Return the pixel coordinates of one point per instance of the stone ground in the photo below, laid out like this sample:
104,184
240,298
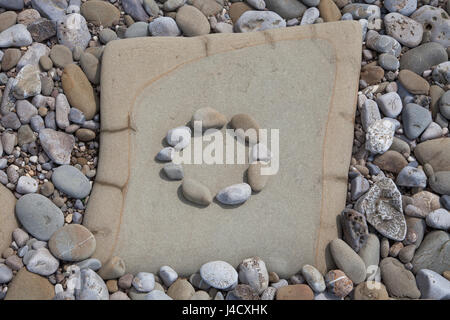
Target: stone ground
395,241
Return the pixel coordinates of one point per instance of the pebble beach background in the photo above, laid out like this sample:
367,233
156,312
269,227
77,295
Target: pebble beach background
396,241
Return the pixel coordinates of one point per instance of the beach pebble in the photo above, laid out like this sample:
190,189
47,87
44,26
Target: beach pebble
432,252
314,278
242,292
92,287
219,274
90,263
181,289
256,179
135,9
371,290
57,145
174,171
338,283
209,117
370,254
388,62
166,154
405,30
413,82
354,228
432,285
379,136
415,120
423,57
348,261
137,29
164,27
6,274
41,262
20,237
405,7
390,104
144,282
288,9
383,43
235,194
179,137
411,177
192,21
27,82
310,15
196,192
439,219
436,21
71,181
39,216
15,36
399,282
441,73
269,293
72,242
258,21
168,275
253,272
72,31
369,113
295,292
26,185
114,268
157,295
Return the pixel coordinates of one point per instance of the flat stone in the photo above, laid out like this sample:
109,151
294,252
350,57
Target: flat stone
29,286
415,120
181,290
401,6
403,29
7,19
13,5
57,145
329,11
125,125
79,91
196,192
436,21
439,219
7,216
382,205
27,83
354,228
423,57
72,31
10,59
391,161
61,56
72,242
219,274
42,29
338,283
15,36
399,282
433,253
253,272
209,117
135,9
234,194
390,104
164,27
92,287
413,82
100,13
136,30
371,290
411,177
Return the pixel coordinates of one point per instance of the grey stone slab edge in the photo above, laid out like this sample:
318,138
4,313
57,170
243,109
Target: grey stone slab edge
109,193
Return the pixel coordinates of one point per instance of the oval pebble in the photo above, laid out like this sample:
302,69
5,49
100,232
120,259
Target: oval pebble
41,262
39,216
314,278
71,181
92,287
179,137
144,282
235,194
219,274
196,192
72,242
439,219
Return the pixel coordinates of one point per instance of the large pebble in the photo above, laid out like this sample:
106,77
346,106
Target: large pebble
42,29
100,13
235,194
439,219
79,91
144,282
12,4
72,242
57,145
52,9
6,274
27,82
370,254
39,216
136,30
369,113
433,253
135,9
390,104
196,192
295,292
181,289
382,205
423,57
209,117
179,137
157,295
112,269
219,274
338,283
436,21
253,272
92,287
441,73
411,177
399,281
415,120
314,278
166,154
256,179
348,260
405,30
246,123
259,21
173,171
391,161
288,9
26,184
432,285
72,31
380,136
29,286
168,275
192,21
413,82
405,7
434,152
71,181
15,36
354,228
164,27
42,262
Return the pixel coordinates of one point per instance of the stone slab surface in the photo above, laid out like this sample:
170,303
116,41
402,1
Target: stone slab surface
300,80
8,220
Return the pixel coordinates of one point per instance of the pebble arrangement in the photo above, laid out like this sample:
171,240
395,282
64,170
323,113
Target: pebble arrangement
396,224
193,190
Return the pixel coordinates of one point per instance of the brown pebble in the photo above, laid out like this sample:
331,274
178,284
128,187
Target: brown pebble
446,275
237,9
329,11
256,179
85,135
273,277
125,281
8,252
395,249
391,161
413,82
372,74
246,122
295,292
112,286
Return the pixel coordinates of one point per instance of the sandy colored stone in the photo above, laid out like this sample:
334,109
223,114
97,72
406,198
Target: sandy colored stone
413,82
329,11
371,290
78,90
435,152
100,13
237,9
7,217
137,113
371,74
29,286
295,292
391,161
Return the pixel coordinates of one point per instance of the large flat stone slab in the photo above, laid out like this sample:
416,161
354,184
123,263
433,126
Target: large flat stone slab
8,220
301,80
